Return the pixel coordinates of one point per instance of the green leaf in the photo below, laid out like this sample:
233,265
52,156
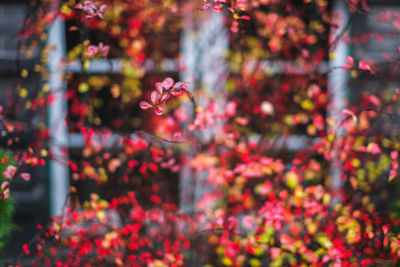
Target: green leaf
255,262
265,237
324,241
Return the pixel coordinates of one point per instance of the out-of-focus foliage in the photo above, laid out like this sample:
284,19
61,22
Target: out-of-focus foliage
6,202
171,175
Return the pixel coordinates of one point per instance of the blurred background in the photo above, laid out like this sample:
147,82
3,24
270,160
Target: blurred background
201,51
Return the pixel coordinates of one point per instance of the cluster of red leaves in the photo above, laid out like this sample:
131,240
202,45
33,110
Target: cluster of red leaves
95,233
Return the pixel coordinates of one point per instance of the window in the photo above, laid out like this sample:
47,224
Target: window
285,93
374,40
101,98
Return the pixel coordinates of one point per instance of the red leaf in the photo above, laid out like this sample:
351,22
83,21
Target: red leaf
218,7
158,110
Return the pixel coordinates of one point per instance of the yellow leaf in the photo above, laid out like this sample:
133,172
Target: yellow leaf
83,88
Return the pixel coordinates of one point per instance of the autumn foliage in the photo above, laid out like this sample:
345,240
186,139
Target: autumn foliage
267,171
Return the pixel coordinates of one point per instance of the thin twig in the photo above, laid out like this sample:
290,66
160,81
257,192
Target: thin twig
341,33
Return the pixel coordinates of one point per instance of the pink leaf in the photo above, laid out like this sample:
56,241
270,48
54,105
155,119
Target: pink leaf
230,108
349,59
350,63
373,148
167,83
89,4
180,85
159,88
9,172
205,7
242,121
164,98
144,105
392,175
232,223
349,113
92,50
6,194
155,96
347,67
245,17
73,28
177,135
247,222
102,8
364,66
176,91
4,185
105,50
25,176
